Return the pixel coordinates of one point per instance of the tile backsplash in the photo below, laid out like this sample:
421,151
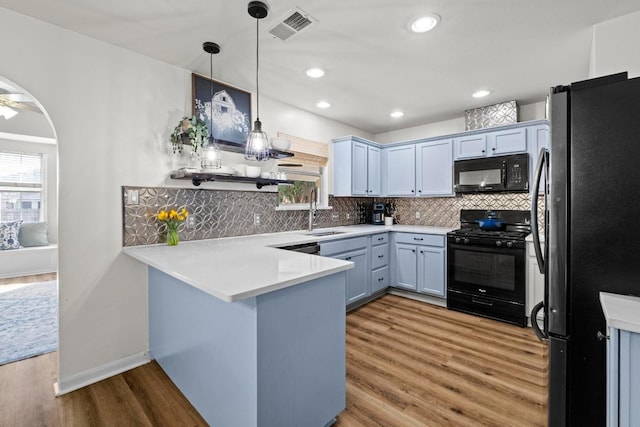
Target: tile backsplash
221,213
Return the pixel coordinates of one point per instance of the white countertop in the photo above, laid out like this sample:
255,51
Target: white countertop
236,268
621,311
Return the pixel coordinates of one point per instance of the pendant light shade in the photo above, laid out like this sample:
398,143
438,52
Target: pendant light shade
257,146
211,155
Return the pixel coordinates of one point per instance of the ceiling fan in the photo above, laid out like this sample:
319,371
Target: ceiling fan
19,101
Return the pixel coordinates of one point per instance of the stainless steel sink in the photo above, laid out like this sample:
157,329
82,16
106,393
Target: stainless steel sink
323,233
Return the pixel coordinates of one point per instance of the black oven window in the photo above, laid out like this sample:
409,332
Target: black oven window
485,269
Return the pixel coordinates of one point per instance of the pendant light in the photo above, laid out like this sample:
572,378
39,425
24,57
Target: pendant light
257,146
211,153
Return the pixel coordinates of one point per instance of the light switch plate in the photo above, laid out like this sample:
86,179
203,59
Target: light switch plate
132,197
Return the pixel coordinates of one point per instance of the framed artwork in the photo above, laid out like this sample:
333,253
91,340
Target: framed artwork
225,109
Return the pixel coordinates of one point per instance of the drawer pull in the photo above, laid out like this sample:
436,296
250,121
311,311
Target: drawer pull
380,238
418,238
380,256
477,301
348,258
380,279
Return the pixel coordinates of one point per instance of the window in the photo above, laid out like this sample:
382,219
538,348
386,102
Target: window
21,187
307,171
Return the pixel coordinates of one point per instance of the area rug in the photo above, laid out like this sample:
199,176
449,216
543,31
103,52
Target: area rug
28,321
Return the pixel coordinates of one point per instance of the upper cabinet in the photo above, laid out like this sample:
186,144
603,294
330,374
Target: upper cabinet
495,143
434,168
400,170
424,167
356,167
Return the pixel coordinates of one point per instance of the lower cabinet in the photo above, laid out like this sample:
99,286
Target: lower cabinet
623,378
356,250
534,281
420,263
357,286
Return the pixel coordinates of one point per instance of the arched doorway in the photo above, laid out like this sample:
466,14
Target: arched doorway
28,226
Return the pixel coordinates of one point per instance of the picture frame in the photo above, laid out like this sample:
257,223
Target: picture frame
231,109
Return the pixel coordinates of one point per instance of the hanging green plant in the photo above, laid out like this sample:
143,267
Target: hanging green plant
191,131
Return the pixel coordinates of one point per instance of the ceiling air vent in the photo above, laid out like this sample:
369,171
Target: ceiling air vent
292,24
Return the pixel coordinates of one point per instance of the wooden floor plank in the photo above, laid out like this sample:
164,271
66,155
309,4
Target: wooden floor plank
408,364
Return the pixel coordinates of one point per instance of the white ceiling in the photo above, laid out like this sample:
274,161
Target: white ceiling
516,49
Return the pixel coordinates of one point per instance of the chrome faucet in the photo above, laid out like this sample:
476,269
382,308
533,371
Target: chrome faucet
313,207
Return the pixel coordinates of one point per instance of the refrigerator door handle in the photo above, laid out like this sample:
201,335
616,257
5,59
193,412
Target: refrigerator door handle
542,336
543,160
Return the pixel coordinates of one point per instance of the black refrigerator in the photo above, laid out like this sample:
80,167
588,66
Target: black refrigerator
592,235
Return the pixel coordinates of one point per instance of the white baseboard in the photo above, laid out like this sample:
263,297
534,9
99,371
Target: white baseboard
100,373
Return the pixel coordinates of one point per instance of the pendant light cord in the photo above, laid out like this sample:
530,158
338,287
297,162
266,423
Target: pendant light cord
257,70
211,93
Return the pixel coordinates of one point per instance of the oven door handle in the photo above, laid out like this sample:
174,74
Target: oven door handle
543,162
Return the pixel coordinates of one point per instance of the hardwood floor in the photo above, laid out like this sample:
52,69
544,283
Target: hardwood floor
415,364
44,277
408,364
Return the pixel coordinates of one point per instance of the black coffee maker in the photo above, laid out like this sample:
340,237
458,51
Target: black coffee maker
377,213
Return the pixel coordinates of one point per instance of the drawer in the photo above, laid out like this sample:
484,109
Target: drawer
379,279
344,245
379,256
421,239
379,239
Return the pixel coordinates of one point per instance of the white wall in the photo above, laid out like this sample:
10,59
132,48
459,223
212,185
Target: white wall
527,112
51,177
112,111
615,46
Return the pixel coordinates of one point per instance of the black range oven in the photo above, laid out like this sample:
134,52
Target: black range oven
486,267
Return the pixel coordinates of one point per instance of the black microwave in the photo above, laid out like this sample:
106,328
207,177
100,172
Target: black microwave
492,174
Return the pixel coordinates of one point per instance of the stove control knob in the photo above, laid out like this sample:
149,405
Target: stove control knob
466,241
499,243
458,240
509,244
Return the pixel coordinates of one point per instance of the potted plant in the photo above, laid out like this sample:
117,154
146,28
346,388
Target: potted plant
192,132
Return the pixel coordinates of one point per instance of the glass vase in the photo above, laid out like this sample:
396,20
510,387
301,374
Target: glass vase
172,237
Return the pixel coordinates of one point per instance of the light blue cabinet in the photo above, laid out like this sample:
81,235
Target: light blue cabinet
622,314
379,262
431,270
406,266
420,263
434,168
400,170
512,140
509,141
537,139
356,250
623,378
470,146
357,286
356,167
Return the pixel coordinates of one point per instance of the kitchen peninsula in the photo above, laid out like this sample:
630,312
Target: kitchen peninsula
251,334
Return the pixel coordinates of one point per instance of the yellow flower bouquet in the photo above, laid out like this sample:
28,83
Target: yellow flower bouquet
172,218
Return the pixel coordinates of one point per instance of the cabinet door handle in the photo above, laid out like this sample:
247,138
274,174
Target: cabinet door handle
413,191
483,151
494,149
421,252
419,191
413,250
418,238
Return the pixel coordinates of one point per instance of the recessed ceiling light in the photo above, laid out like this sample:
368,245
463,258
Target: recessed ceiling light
481,94
396,114
323,104
424,23
315,73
